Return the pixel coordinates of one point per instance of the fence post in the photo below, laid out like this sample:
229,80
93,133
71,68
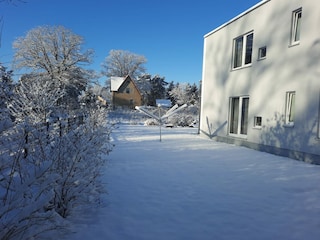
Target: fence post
60,128
25,150
48,133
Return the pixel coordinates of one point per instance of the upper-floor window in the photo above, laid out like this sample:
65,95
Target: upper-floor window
319,118
128,90
296,26
242,50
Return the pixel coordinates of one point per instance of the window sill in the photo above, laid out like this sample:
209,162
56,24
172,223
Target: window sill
242,67
294,44
288,125
257,127
262,58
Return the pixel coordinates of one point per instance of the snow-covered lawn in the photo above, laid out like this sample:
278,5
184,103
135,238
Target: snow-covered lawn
189,187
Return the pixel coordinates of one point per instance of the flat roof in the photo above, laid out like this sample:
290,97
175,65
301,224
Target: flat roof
237,17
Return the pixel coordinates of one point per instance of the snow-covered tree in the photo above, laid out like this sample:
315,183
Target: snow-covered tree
183,93
6,87
144,85
179,94
193,92
54,52
36,98
121,63
170,87
152,88
158,89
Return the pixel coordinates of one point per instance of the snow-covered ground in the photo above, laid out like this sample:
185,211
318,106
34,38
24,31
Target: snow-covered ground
189,187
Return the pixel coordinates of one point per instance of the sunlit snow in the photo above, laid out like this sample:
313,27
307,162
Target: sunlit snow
189,187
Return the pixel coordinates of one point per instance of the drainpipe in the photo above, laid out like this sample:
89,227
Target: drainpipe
200,99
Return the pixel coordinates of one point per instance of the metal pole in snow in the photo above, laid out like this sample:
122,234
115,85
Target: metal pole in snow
160,121
171,111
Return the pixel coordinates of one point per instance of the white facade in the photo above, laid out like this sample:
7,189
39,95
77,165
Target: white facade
261,79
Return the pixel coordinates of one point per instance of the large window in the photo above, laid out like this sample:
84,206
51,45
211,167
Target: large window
242,50
239,108
290,108
296,26
319,118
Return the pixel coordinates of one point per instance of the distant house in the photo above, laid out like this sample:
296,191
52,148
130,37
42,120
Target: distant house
125,92
102,102
261,86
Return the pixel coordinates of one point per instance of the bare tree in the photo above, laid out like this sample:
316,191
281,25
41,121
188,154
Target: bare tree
14,2
56,53
121,63
35,98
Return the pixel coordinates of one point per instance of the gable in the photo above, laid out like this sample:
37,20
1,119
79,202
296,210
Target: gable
125,84
119,84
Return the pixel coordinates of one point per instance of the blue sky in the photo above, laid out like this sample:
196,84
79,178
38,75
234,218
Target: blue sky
169,33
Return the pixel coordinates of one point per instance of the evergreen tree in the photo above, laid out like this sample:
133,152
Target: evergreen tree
144,85
193,93
158,89
168,90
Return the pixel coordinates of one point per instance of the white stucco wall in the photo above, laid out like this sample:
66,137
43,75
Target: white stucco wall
286,68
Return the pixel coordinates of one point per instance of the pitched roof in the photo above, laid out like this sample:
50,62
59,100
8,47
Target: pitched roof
116,83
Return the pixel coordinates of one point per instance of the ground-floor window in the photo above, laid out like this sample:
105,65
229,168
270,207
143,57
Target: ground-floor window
238,115
257,122
319,118
290,108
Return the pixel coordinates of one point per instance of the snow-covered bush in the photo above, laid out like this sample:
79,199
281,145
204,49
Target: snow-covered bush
80,157
46,172
27,181
151,122
127,116
182,120
188,117
51,150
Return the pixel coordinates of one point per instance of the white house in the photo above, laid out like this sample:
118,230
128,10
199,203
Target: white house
261,79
